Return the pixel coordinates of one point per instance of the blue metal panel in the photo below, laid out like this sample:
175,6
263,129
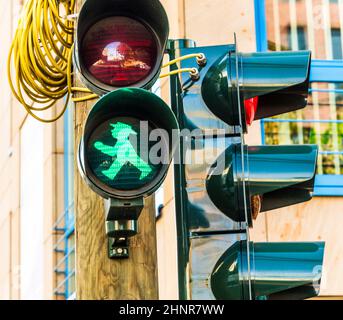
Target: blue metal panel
328,185
302,121
65,224
261,25
326,71
66,160
327,90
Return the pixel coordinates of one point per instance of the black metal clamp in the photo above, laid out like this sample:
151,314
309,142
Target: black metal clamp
121,224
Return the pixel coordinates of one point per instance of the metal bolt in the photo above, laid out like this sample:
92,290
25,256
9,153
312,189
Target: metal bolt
202,60
194,74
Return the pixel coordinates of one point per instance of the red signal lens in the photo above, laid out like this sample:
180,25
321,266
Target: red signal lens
119,51
250,109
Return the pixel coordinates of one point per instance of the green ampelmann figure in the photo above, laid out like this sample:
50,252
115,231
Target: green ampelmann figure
123,152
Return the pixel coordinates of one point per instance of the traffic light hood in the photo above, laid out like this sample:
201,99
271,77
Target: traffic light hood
279,175
150,14
282,175
278,81
278,271
129,106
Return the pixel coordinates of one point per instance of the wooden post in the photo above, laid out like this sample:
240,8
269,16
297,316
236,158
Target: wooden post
98,277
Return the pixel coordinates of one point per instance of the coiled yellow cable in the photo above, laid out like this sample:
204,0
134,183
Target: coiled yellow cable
41,56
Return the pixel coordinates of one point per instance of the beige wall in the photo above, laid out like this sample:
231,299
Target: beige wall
12,118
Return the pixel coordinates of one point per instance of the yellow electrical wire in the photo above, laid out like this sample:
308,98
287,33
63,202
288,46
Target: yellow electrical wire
41,56
192,71
185,57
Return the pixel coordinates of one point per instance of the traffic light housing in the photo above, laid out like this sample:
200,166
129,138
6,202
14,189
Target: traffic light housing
126,118
120,43
220,198
124,156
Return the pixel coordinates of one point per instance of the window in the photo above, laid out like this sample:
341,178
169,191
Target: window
336,43
314,25
65,226
297,39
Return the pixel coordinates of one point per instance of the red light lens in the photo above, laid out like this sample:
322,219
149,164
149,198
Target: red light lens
250,109
119,51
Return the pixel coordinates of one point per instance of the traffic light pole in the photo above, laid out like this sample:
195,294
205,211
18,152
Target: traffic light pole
179,174
97,276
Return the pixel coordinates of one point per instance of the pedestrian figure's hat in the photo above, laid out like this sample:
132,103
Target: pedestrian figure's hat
120,126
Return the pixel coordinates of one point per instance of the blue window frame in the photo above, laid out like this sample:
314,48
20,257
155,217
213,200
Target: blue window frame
324,73
64,227
336,43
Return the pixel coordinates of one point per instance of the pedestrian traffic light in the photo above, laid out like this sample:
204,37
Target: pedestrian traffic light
124,156
127,148
221,196
120,43
127,144
279,271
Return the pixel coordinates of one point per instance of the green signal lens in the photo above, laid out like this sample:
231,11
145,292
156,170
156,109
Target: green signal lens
117,157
